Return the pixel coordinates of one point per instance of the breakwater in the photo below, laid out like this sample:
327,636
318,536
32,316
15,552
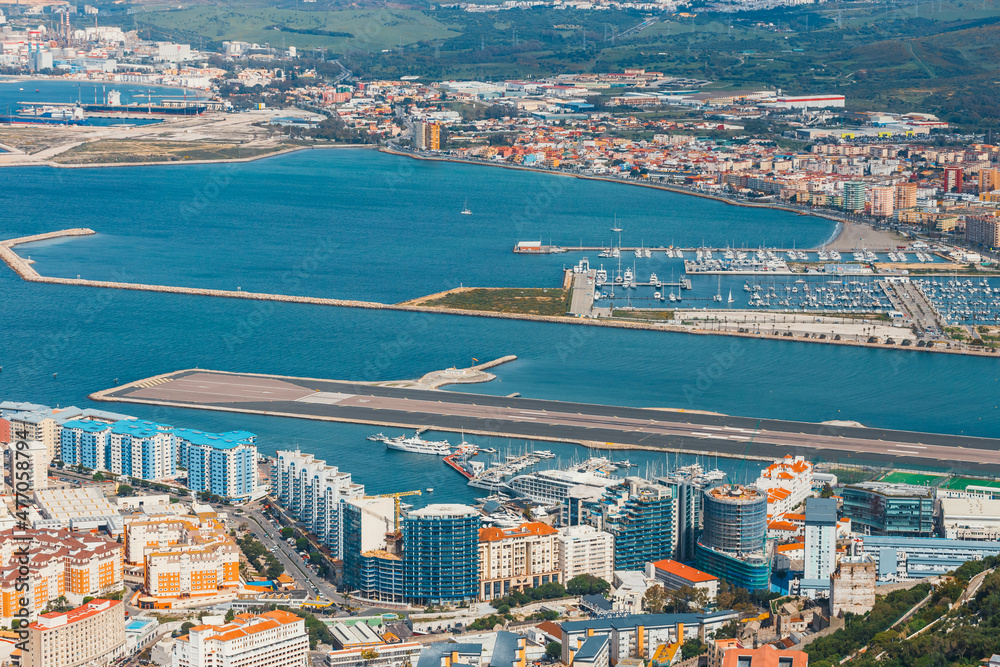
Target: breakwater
26,272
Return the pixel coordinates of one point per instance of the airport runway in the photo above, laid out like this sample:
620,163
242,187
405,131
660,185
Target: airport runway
554,420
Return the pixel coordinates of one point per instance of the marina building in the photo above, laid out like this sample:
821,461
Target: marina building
552,487
93,634
224,464
441,554
585,550
877,508
852,586
972,518
733,544
275,638
313,493
640,516
513,559
672,575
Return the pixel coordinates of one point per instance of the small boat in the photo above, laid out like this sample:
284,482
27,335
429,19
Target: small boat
731,299
430,489
466,210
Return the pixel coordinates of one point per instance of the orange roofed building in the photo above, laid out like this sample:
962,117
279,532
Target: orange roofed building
787,483
672,575
513,559
93,634
275,639
61,563
765,656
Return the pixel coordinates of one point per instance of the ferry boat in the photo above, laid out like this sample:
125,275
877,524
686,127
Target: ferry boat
415,445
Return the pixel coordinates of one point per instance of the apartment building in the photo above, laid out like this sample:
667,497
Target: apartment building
585,550
275,638
92,635
513,559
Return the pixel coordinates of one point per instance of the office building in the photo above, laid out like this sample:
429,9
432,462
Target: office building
952,179
636,636
514,559
906,196
852,586
883,198
441,554
733,543
973,518
585,550
673,575
983,232
787,483
91,635
275,638
640,516
313,492
854,196
877,508
765,656
908,558
223,464
821,539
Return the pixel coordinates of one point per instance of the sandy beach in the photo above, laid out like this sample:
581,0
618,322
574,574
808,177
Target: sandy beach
853,235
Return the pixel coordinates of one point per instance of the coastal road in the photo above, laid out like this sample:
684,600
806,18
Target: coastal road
586,423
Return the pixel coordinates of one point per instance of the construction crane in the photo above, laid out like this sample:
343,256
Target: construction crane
395,497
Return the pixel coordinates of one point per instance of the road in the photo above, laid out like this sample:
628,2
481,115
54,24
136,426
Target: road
296,568
587,423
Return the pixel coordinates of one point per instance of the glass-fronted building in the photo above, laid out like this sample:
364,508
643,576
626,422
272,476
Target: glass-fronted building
900,510
733,544
640,515
441,554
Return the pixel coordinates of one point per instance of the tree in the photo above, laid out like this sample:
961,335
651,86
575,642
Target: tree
587,584
287,532
230,615
654,599
827,491
124,490
692,648
98,476
302,544
369,654
553,650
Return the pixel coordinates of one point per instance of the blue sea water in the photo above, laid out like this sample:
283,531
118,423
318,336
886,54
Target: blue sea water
360,224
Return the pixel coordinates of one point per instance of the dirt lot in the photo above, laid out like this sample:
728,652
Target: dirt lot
124,151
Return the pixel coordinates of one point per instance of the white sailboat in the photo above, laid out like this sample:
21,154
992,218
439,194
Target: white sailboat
731,299
466,210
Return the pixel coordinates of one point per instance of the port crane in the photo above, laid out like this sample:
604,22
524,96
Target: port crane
396,503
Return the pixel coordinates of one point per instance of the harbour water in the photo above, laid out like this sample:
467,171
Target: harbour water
356,223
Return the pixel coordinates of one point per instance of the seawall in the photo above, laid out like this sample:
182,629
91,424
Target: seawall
21,267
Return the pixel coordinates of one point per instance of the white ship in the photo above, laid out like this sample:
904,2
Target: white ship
417,445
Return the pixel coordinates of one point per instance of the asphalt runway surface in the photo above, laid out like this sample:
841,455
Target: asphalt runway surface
527,418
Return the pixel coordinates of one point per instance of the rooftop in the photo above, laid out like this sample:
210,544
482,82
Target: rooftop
683,571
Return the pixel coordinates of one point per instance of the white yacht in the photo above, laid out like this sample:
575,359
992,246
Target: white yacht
417,445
